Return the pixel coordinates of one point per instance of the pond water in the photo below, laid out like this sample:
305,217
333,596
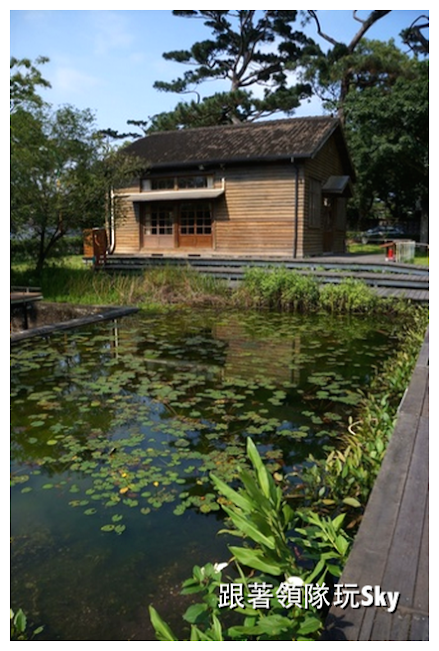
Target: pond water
116,428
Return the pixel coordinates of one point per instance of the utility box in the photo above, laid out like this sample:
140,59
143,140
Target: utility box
405,250
399,250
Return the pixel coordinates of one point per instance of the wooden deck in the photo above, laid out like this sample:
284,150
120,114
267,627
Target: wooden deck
391,547
22,299
105,314
401,280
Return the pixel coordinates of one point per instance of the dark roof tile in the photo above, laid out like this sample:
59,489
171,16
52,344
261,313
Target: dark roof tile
271,139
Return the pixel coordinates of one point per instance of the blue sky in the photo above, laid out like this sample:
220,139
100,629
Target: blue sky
107,60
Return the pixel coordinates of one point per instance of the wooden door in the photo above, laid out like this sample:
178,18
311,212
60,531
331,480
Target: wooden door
157,226
195,225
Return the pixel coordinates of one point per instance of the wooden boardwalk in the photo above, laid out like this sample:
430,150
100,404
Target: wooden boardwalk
408,281
391,547
105,314
21,299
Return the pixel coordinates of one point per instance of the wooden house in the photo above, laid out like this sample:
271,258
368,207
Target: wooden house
276,187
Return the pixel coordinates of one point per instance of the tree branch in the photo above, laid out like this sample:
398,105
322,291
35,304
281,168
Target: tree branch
373,17
366,24
328,38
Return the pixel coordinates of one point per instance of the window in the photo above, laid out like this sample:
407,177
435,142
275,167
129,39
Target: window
191,182
160,221
315,204
187,182
195,219
162,184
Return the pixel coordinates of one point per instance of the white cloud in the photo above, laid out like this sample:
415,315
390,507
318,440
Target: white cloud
72,81
111,32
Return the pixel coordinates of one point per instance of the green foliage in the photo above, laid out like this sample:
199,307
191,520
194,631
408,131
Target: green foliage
244,50
347,475
297,292
52,154
281,288
381,95
25,79
388,133
259,513
351,296
211,111
61,170
19,627
71,281
261,517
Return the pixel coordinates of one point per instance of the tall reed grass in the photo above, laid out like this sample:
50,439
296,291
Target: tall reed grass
157,286
165,286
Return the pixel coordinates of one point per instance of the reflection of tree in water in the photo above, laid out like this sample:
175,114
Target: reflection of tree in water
201,383
128,422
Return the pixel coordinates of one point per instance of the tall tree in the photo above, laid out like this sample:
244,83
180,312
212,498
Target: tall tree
60,167
25,79
416,35
334,70
248,48
387,126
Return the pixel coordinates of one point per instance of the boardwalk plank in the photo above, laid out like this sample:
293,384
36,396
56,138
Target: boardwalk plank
400,629
415,394
419,629
382,625
391,548
409,527
421,597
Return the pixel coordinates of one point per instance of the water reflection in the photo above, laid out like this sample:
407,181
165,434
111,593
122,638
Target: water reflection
116,428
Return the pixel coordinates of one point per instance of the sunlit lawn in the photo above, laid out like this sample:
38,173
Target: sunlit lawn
376,249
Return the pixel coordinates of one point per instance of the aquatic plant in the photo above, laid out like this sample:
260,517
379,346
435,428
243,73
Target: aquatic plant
347,474
19,627
281,288
282,550
260,514
126,422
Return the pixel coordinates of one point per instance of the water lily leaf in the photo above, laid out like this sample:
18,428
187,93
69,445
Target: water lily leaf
119,529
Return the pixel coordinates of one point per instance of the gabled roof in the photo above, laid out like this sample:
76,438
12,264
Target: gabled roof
247,142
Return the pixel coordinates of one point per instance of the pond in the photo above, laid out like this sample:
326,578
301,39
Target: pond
116,428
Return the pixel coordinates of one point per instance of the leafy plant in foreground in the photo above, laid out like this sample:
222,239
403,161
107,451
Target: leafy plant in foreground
19,628
280,549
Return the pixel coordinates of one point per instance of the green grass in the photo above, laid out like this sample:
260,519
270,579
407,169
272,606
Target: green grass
375,249
71,281
165,287
366,249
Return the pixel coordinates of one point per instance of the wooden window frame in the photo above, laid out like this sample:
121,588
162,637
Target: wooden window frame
177,182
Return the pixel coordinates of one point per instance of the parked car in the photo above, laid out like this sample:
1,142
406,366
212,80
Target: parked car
381,234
